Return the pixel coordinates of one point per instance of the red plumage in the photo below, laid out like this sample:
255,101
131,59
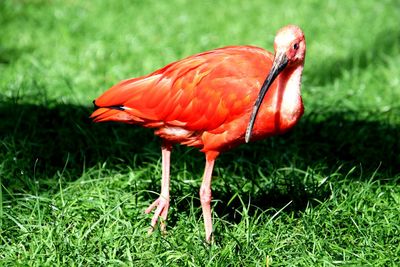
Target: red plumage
206,100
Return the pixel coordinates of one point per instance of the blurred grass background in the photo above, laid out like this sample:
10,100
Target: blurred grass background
73,193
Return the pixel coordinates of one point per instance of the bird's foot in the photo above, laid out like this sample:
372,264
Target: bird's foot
162,205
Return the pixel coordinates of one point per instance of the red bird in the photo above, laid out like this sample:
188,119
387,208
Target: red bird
214,101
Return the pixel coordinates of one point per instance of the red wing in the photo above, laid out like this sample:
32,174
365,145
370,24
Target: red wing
197,93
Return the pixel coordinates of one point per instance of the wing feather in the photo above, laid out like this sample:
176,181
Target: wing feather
199,93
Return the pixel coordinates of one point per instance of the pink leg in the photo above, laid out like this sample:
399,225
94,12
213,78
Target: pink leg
162,202
205,194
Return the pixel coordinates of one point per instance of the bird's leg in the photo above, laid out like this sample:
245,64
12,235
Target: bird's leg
162,202
205,193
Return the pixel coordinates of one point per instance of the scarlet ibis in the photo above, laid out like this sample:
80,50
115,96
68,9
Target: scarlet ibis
214,101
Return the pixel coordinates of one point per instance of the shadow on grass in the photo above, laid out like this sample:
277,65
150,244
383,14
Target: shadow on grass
326,145
38,142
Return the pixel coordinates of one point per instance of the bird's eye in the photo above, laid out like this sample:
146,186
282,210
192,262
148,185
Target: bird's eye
296,46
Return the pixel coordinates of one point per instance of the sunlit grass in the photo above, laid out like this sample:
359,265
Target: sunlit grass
73,193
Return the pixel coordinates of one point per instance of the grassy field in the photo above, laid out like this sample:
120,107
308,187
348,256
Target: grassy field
73,193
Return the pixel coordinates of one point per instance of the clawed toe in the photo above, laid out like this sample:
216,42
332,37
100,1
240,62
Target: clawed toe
161,206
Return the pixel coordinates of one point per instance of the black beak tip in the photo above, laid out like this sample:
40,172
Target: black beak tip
248,133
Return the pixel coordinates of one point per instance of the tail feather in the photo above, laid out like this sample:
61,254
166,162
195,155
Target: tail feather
127,102
126,91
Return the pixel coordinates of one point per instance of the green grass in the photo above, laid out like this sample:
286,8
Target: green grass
73,193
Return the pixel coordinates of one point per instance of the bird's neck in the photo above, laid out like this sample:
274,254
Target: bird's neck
288,100
283,107
290,83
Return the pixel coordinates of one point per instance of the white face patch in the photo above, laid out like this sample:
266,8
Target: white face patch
284,38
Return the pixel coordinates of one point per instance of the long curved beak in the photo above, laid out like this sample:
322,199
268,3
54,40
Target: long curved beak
280,62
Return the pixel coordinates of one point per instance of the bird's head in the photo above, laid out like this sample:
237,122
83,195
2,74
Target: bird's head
289,46
290,51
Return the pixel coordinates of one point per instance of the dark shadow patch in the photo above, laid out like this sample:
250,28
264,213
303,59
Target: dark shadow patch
321,144
39,141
